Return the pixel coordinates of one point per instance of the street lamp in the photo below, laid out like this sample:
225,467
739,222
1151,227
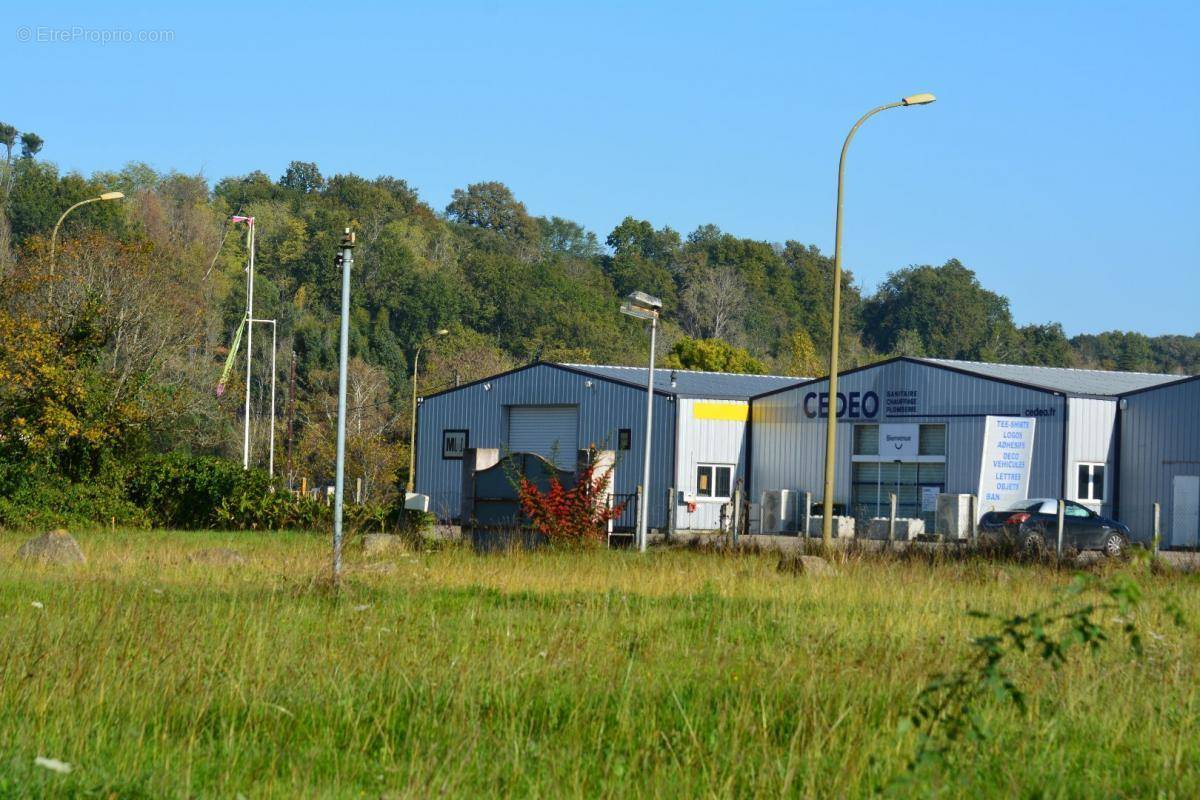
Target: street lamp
57,225
643,306
831,413
412,433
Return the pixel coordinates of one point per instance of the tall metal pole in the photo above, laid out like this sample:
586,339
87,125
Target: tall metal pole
412,432
831,413
643,511
346,259
249,339
271,461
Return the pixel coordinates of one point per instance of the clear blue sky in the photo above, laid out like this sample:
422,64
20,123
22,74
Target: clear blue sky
1061,162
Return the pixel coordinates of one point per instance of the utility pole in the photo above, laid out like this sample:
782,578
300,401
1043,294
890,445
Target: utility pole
345,260
291,416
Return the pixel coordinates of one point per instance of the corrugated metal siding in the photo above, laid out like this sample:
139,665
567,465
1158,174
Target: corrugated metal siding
550,431
603,410
706,441
1091,429
1160,439
788,448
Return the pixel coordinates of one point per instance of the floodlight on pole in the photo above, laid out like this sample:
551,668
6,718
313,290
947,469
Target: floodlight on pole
106,196
643,306
831,414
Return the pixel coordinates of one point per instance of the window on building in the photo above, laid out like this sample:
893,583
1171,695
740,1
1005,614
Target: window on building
714,480
866,440
624,438
1091,482
454,443
932,440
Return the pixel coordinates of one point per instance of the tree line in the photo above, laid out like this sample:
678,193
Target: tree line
112,348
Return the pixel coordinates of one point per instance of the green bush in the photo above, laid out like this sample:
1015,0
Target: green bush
182,492
272,511
179,491
40,498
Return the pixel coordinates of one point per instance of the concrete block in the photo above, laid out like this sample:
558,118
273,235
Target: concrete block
843,527
907,529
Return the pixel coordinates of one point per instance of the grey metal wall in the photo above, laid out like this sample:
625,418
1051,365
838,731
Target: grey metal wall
1160,438
604,408
706,441
1091,438
788,447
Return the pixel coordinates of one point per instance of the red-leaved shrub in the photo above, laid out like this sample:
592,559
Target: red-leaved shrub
578,515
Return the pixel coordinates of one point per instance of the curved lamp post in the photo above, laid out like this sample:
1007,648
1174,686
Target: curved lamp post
57,225
412,433
831,414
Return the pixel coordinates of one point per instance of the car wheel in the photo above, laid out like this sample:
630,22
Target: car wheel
1032,543
1113,545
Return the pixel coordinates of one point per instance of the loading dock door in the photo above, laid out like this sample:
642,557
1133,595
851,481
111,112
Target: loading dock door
550,431
1185,510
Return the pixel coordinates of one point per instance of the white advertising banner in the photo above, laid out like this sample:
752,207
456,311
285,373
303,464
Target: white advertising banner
1007,457
899,442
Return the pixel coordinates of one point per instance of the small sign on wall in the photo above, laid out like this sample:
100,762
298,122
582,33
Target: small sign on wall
929,496
899,441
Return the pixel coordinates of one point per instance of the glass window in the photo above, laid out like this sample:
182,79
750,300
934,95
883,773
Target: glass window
724,477
932,440
714,480
624,438
866,440
931,474
1090,482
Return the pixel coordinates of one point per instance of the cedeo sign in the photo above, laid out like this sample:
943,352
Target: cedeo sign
850,405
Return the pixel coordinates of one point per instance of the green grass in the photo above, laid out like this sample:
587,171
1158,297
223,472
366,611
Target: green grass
599,674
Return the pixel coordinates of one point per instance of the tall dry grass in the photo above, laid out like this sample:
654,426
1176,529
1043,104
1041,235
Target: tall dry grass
553,674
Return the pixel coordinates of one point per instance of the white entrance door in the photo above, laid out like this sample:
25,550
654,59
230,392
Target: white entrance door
1185,511
550,431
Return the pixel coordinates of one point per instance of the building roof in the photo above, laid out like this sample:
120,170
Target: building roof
1096,382
692,383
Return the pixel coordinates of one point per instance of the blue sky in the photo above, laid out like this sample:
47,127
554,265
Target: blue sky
1061,161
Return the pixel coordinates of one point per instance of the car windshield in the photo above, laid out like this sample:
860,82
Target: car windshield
1027,505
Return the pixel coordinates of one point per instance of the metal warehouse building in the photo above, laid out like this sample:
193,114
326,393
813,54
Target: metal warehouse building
1159,440
699,431
935,411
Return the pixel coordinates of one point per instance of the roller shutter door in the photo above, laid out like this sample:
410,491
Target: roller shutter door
549,431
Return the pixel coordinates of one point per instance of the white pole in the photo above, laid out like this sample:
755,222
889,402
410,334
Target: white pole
271,461
249,338
643,512
347,259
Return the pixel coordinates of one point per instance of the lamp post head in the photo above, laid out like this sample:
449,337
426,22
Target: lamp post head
112,195
923,99
641,305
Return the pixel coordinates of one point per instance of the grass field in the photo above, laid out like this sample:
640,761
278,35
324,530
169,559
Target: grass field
598,674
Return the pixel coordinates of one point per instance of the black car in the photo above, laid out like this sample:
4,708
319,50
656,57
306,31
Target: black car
1033,524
